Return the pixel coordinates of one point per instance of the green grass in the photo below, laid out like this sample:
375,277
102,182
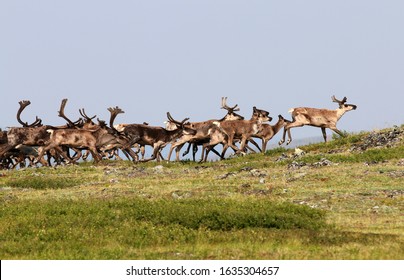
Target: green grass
369,156
251,207
151,229
142,221
43,183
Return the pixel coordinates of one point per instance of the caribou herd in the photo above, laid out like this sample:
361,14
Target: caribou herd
40,144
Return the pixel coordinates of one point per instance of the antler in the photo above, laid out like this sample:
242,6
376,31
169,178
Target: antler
114,112
101,122
62,115
170,118
184,120
23,105
84,115
224,106
338,101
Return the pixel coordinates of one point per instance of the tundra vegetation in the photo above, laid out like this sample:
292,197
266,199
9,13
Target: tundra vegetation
343,199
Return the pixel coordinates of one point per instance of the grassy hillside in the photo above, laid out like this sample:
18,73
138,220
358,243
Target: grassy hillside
339,200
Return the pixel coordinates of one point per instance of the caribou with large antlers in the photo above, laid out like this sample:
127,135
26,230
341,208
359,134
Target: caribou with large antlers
33,134
202,131
94,137
242,130
323,118
99,138
157,137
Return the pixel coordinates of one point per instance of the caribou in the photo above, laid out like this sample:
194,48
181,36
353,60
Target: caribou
202,131
94,137
33,134
323,118
32,140
243,130
157,137
269,131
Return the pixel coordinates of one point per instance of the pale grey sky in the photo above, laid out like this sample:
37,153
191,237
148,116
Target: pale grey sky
150,57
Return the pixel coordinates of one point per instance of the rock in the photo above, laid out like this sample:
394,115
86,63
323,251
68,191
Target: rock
175,195
224,176
282,157
379,139
323,162
247,168
396,174
137,172
158,169
394,193
296,165
298,153
257,173
367,163
296,176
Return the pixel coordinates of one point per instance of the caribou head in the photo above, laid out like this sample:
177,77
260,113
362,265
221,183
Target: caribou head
342,105
183,125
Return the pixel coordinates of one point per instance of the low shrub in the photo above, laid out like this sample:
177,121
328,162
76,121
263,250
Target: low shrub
43,182
212,214
227,215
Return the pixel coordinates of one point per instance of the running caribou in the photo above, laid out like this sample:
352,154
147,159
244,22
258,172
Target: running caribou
323,118
227,132
269,131
202,131
155,136
96,138
33,134
19,144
